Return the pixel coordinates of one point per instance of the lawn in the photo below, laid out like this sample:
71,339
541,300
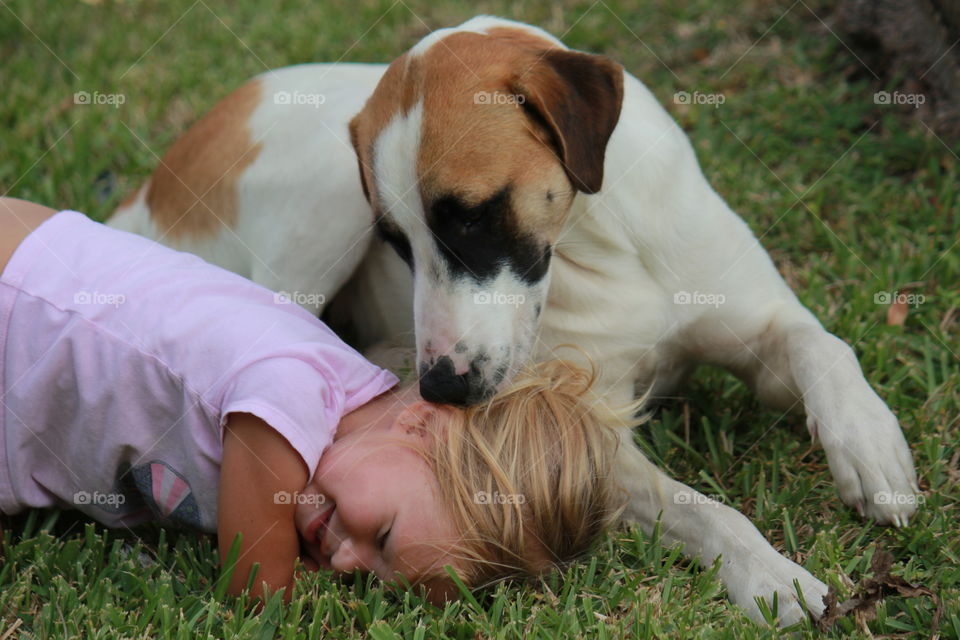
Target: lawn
852,198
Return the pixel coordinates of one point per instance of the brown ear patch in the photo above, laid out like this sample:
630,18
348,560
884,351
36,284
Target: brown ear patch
194,190
396,92
578,97
355,141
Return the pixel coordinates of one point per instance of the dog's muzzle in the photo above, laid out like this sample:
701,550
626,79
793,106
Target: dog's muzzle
441,384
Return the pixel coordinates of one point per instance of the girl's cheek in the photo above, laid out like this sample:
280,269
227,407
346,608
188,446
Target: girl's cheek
333,461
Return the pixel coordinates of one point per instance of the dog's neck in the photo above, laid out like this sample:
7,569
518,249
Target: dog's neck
593,232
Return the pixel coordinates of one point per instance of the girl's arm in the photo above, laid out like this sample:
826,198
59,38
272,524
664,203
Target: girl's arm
258,464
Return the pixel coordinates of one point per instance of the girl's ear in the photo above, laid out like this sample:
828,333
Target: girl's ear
421,417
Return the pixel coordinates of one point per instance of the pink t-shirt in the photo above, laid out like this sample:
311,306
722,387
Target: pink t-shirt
120,360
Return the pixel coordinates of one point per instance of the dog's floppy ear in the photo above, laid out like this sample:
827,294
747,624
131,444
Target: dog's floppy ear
355,140
577,97
391,93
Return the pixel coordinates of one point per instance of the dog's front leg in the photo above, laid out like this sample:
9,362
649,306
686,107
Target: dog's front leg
750,568
868,455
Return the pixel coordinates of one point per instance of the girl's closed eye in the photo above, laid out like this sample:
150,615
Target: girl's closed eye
382,541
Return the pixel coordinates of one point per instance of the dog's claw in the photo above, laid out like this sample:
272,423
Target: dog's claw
771,575
868,456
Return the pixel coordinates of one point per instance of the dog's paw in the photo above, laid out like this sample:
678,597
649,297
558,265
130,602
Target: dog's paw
869,457
761,578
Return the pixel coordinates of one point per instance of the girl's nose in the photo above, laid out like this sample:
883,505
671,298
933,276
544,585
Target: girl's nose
351,556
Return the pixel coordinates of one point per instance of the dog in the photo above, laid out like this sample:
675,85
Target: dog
539,196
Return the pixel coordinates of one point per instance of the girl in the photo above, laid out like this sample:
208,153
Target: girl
140,383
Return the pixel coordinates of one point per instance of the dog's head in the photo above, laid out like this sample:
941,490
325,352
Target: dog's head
471,151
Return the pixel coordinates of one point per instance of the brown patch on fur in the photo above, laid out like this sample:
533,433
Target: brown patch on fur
193,191
521,38
403,85
578,96
394,93
490,126
506,108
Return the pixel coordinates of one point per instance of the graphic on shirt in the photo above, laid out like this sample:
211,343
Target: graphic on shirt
167,493
127,496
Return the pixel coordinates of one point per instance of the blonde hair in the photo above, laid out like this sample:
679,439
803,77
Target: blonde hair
528,477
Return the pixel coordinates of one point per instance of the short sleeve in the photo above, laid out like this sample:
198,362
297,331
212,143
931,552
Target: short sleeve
304,398
296,398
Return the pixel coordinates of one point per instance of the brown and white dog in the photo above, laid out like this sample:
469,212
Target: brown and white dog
539,196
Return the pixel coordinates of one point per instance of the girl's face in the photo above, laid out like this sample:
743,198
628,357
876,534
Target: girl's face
373,503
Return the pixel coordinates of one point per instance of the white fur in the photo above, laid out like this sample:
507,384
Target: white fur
303,224
656,230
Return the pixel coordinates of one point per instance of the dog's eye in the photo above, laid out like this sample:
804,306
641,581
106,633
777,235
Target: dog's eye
451,209
470,217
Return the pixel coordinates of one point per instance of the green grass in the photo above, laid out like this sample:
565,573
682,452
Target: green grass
878,213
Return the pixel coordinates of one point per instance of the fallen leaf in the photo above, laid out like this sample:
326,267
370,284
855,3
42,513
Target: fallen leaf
872,590
897,313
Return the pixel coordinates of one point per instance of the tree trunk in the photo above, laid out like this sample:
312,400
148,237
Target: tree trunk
915,44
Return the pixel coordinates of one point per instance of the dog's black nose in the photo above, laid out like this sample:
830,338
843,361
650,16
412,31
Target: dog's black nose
440,383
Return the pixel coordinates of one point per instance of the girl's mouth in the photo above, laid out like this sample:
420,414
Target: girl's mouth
318,528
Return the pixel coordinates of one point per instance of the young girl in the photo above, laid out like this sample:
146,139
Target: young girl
138,383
